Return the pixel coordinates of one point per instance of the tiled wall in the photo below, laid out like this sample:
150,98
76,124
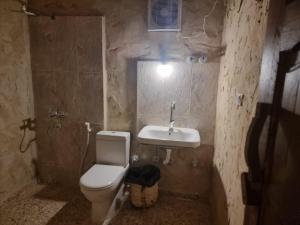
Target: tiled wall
192,86
67,77
16,100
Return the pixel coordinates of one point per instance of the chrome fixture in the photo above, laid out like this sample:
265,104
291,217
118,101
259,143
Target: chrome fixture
24,8
86,147
56,118
26,11
57,114
172,121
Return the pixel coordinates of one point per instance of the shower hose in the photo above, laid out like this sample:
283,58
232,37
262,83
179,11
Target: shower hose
85,151
28,144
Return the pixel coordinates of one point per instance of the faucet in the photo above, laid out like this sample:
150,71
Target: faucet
172,121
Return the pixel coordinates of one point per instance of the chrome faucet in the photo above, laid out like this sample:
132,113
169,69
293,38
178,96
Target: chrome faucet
172,121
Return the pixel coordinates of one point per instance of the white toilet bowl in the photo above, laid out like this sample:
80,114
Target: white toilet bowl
100,185
103,184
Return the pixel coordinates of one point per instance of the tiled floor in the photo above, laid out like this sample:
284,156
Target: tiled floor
44,205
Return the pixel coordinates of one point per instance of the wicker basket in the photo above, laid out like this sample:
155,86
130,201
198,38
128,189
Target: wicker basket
143,196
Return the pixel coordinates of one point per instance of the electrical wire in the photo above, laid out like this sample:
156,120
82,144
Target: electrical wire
204,22
207,15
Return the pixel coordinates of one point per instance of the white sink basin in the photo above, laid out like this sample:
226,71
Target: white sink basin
159,135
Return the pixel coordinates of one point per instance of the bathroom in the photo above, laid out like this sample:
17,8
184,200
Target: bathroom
71,71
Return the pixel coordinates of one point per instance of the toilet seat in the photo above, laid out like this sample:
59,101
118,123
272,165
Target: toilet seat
101,176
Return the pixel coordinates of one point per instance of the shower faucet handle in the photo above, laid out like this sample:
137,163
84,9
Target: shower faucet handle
58,115
28,124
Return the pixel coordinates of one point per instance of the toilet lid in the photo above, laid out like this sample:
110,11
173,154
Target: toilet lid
101,176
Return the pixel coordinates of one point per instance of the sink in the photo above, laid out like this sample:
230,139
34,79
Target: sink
159,135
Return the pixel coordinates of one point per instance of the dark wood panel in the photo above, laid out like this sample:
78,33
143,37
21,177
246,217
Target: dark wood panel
290,99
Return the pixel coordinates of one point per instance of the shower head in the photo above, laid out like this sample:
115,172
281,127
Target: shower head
26,12
24,8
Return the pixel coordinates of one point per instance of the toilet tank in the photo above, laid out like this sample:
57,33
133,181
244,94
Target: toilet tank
112,148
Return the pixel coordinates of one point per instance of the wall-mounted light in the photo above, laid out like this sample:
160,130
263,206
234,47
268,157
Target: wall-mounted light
164,70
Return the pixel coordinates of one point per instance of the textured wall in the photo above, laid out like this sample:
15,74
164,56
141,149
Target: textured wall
244,32
67,78
135,42
128,40
16,102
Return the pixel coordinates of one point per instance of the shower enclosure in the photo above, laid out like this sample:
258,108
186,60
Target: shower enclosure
67,70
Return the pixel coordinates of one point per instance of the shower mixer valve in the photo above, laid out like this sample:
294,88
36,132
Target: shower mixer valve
28,123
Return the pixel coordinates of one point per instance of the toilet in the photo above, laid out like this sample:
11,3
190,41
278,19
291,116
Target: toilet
103,183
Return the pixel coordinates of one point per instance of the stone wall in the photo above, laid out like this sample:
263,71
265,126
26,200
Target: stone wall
129,41
135,42
244,33
16,101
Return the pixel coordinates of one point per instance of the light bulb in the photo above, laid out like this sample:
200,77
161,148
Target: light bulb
164,70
